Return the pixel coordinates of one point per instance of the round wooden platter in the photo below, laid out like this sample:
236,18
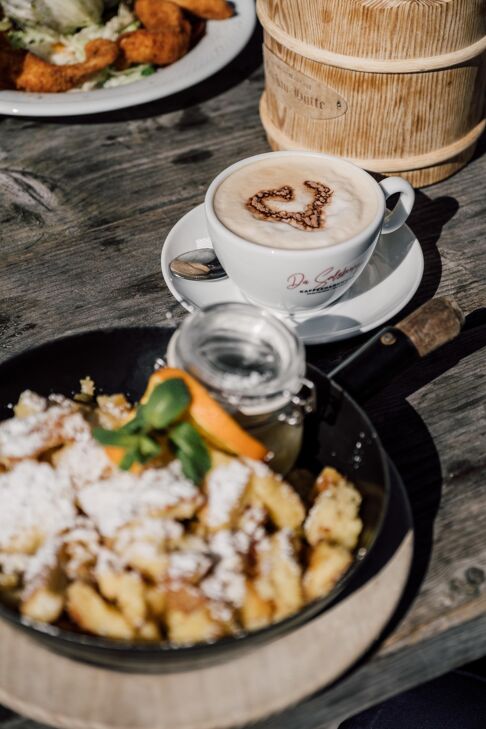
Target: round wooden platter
54,690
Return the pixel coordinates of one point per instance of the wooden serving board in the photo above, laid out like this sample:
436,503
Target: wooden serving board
57,691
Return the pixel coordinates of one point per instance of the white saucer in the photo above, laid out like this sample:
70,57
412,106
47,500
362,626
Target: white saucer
386,285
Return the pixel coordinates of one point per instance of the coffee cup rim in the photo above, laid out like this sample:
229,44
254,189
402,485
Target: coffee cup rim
368,232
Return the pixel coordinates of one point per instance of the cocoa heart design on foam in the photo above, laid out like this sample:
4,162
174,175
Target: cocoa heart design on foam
311,218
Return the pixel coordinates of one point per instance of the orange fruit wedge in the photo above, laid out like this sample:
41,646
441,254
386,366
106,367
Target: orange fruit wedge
209,418
116,453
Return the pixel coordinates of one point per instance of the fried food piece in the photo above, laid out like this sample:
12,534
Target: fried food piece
11,60
207,9
93,614
29,404
152,565
44,605
28,542
159,14
286,577
256,612
32,436
149,631
39,76
334,515
328,562
143,546
9,582
87,386
113,411
79,552
188,617
279,574
185,599
281,501
327,477
160,48
194,627
44,598
156,600
44,593
127,590
225,486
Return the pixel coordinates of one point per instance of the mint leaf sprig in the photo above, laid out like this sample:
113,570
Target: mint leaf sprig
161,415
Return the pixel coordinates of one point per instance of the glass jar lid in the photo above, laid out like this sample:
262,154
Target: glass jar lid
246,356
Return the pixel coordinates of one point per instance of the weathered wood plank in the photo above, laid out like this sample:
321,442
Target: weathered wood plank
84,208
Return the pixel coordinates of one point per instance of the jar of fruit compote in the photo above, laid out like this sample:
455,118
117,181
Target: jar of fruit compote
254,365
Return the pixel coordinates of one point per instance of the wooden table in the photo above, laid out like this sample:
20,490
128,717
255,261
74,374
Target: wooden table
85,205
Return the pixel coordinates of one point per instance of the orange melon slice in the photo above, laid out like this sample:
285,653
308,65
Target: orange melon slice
209,418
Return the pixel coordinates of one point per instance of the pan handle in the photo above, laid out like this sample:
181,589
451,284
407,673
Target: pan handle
394,348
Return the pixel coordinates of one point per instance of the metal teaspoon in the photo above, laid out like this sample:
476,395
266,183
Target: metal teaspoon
199,265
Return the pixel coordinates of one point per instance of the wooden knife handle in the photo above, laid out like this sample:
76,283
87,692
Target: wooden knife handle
394,348
434,324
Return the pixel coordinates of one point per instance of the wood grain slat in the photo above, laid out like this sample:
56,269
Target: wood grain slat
115,185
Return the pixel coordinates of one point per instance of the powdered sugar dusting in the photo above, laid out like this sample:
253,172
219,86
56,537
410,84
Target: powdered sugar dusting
34,498
30,403
28,437
258,467
81,546
285,548
227,582
107,561
252,523
149,530
84,462
125,497
41,564
189,565
225,485
73,515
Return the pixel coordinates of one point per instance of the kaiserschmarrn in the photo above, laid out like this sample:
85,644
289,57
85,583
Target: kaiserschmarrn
145,552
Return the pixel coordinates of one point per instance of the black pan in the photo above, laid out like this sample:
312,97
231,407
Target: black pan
339,434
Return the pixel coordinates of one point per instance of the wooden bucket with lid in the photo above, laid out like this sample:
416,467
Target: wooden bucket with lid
397,86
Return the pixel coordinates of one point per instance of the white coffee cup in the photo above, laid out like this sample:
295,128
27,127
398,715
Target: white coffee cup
296,280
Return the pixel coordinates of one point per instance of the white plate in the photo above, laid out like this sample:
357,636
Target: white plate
386,285
223,41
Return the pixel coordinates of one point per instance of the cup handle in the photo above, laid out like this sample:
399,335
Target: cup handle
398,216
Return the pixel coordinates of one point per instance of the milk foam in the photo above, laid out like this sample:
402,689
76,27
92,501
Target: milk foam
351,208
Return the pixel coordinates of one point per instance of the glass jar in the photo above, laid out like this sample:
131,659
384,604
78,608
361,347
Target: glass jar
254,365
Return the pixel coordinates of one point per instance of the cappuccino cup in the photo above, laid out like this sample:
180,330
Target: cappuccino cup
294,230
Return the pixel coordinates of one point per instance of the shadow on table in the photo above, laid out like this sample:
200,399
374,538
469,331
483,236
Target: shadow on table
429,217
427,221
411,447
403,432
238,70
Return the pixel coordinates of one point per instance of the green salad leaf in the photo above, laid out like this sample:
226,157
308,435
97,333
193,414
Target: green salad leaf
64,16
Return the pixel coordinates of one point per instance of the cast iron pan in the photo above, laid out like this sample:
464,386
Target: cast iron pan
339,434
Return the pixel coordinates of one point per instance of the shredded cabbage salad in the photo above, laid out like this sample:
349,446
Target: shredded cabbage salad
44,28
